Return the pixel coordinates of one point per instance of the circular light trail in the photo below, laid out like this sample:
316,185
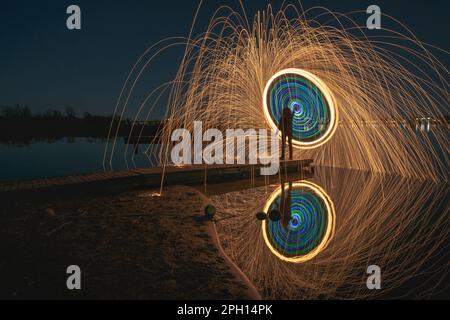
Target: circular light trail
314,113
310,227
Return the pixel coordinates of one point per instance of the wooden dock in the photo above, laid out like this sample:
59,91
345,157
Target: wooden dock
123,180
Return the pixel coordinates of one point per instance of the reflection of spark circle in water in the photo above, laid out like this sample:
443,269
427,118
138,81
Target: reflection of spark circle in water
311,224
314,114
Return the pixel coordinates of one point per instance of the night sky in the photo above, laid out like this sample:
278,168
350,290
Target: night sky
45,65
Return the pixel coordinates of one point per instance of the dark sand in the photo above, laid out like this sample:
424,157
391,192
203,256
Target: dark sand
135,245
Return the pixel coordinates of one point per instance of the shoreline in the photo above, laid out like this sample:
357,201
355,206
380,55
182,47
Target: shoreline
132,245
252,291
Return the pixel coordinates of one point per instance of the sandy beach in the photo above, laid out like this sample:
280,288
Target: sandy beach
133,245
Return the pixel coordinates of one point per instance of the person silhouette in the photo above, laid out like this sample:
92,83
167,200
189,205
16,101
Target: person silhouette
286,131
283,211
285,203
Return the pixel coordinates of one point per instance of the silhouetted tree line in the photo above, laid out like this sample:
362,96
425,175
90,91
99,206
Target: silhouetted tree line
19,125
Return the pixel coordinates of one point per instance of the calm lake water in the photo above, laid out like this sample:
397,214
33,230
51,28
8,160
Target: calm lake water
67,156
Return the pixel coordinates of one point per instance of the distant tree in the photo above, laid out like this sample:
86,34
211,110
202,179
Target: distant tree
26,112
70,112
87,115
48,113
17,111
57,114
7,111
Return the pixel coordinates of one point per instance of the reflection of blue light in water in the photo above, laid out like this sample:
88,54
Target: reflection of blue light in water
310,225
306,227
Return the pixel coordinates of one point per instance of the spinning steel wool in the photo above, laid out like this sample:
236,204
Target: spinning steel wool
356,100
366,89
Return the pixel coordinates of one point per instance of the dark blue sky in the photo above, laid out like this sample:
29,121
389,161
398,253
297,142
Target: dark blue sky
44,65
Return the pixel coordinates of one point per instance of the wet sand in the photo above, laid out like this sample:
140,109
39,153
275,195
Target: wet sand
134,245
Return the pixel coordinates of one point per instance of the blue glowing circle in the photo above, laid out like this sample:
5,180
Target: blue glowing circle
314,114
310,225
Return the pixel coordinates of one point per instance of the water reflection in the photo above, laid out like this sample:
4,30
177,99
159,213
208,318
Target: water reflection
399,224
307,221
67,156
